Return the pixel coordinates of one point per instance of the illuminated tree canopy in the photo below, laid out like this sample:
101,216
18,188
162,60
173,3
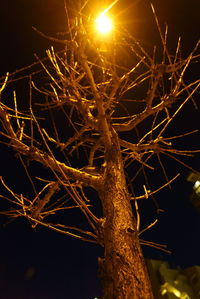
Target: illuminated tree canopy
98,125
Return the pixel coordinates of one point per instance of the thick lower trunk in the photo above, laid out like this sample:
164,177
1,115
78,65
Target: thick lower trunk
123,270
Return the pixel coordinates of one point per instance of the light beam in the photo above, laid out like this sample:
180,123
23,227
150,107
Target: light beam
103,22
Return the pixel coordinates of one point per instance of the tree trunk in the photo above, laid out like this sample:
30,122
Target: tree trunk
123,270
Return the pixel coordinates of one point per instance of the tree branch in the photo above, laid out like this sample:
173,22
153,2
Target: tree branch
33,153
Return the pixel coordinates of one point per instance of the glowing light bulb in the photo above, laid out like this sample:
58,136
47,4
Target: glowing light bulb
103,24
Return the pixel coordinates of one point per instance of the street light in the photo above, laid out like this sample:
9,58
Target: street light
103,24
103,28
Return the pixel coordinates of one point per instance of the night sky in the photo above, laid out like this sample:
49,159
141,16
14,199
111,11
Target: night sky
43,264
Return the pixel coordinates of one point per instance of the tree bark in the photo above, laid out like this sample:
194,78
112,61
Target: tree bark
123,270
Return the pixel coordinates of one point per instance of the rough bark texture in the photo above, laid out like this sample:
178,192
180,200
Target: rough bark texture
123,270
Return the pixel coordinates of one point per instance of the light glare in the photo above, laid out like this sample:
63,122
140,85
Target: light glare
103,24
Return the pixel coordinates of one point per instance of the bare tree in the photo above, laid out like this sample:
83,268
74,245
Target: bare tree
85,108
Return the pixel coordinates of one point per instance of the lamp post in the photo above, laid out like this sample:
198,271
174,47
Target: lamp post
103,24
104,28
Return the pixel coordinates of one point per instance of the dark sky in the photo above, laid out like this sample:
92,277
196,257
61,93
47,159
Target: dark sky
43,264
